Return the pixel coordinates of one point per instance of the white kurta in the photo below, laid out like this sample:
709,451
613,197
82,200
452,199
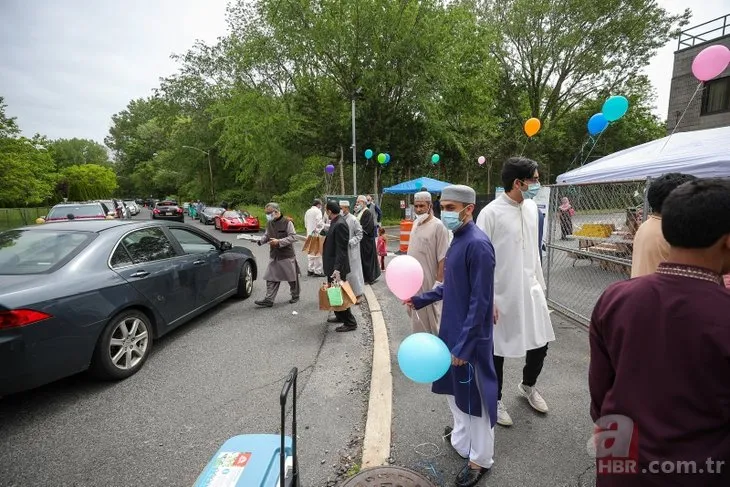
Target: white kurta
314,224
519,285
355,277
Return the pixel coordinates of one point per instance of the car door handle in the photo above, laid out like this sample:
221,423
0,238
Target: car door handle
140,274
199,262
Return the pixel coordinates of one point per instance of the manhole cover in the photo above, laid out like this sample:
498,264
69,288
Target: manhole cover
388,477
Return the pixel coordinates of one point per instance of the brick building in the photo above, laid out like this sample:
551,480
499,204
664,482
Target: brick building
710,107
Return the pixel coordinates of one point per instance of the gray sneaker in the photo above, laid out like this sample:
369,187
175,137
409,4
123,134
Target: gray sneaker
533,397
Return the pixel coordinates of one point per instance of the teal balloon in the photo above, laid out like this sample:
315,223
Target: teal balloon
381,158
387,158
368,154
424,358
615,107
435,159
597,124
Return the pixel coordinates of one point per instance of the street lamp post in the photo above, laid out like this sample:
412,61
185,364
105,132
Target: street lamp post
354,143
210,167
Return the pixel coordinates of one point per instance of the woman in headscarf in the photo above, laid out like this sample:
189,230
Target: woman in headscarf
565,215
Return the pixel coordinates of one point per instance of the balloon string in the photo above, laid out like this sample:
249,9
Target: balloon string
524,146
595,142
699,87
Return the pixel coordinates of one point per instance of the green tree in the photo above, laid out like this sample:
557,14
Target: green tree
88,182
27,174
71,152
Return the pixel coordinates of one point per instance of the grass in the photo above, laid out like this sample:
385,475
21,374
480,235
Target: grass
18,217
354,470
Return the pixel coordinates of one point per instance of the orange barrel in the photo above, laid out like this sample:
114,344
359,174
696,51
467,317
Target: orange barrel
405,234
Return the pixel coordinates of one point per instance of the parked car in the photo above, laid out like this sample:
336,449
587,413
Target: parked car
236,221
207,216
112,207
95,210
168,210
133,208
96,294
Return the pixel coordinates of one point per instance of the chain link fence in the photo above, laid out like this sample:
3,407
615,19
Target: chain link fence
18,217
590,242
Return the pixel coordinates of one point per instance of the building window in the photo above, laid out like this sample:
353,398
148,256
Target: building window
716,96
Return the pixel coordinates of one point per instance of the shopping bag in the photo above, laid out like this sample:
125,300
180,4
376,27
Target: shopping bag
318,244
348,297
307,244
334,296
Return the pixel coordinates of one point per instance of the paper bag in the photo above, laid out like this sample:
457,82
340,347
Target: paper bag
348,298
313,245
307,244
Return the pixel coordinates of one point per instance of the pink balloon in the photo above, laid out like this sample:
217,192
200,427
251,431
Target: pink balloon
482,160
710,62
404,276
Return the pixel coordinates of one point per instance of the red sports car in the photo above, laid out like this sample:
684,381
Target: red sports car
237,221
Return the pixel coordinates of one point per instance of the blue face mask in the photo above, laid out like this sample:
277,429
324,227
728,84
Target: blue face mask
531,192
451,219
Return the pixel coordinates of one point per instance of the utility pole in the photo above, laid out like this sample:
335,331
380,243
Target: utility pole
354,143
210,168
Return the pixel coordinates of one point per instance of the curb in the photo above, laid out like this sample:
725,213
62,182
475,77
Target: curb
376,443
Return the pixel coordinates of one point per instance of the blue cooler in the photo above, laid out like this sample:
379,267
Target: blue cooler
251,460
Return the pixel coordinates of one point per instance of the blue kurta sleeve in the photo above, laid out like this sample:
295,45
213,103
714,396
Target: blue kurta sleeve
480,269
430,297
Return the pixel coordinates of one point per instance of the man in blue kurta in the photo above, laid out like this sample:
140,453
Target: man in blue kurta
466,328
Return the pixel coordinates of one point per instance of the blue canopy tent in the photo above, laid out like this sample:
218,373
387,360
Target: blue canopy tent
416,185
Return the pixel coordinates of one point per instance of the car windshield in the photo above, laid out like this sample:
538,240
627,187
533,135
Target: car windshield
78,211
213,211
234,214
129,203
167,203
37,251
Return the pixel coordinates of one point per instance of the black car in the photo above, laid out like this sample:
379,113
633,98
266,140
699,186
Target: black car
168,210
96,293
207,216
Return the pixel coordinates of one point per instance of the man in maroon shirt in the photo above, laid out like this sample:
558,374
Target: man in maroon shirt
660,355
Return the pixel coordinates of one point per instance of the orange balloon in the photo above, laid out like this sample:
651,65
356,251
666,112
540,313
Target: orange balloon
532,126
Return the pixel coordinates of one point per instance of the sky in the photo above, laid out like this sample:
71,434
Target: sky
67,66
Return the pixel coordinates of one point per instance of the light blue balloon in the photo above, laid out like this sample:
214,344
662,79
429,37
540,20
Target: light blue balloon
597,124
387,158
424,358
368,154
615,107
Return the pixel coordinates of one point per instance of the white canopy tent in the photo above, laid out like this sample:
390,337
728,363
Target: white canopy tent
702,153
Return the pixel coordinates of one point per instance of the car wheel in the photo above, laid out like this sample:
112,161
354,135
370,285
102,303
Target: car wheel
123,347
245,281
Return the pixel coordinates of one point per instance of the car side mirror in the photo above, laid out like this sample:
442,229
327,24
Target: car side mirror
226,246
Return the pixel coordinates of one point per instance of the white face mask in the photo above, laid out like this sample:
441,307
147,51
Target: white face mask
421,218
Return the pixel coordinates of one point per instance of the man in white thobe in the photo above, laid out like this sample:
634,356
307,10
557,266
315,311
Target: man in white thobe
522,321
314,223
428,245
355,277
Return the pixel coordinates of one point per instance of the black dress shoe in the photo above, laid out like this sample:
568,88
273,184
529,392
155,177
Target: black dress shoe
310,273
447,438
333,320
469,477
294,300
264,303
343,328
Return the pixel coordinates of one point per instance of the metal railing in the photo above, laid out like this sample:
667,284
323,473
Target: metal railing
592,248
19,217
706,32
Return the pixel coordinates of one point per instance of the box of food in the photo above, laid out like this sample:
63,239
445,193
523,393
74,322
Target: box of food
597,230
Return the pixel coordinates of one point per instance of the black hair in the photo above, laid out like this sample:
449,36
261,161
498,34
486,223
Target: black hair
517,168
333,206
660,188
316,202
697,214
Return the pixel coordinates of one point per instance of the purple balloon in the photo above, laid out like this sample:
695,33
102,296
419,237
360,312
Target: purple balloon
329,169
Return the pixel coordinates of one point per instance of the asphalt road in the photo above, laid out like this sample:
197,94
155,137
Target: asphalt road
215,377
537,451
